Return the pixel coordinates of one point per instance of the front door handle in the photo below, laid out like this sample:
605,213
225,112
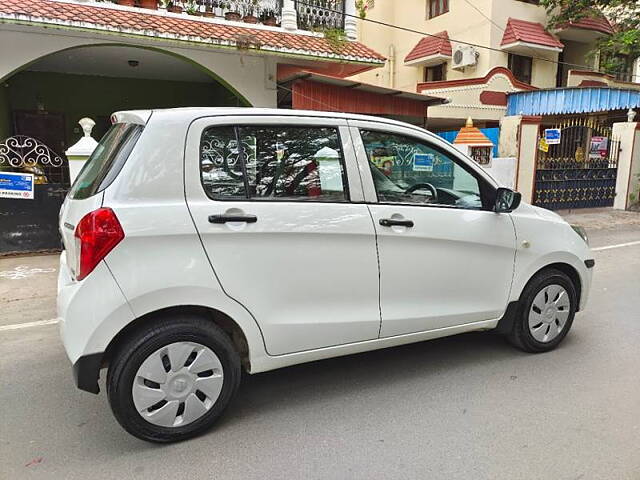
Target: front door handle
218,219
395,222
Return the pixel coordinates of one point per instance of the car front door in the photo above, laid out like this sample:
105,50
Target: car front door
278,204
445,258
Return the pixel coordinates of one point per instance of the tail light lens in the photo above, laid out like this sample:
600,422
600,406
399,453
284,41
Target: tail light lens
98,233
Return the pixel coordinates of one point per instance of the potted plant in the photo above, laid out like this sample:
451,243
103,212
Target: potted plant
232,12
268,17
127,3
149,4
208,9
250,13
173,7
192,8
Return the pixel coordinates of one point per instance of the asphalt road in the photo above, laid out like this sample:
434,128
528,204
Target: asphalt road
466,407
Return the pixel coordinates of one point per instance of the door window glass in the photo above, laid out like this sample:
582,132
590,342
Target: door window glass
407,171
278,163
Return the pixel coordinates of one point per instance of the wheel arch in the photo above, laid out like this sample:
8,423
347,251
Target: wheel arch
221,319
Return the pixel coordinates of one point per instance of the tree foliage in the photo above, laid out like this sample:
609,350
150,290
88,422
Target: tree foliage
617,51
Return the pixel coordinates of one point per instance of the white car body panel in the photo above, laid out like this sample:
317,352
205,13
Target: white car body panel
161,262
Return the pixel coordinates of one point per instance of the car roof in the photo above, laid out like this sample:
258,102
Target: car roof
191,113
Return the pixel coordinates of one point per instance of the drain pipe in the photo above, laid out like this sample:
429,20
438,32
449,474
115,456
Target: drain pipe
392,66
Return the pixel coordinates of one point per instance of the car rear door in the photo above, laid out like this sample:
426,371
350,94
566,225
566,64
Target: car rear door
446,259
283,222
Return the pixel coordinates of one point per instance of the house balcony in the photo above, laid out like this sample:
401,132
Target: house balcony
309,15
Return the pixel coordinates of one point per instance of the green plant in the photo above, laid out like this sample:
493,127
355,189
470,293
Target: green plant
336,37
362,6
192,8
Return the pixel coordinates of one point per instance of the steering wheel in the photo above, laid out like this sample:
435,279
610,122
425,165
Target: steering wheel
420,186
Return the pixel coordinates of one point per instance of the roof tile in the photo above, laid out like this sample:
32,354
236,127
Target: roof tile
529,32
43,11
432,45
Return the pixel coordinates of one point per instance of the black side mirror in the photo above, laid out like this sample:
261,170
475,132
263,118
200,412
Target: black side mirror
506,200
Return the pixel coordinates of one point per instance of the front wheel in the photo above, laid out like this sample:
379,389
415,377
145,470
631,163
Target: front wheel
172,379
545,313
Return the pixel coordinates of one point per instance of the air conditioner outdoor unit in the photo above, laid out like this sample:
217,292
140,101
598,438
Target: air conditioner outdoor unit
464,56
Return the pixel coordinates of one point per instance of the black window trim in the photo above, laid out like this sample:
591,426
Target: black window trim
487,190
248,198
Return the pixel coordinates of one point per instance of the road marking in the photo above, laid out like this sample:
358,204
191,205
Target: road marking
619,245
18,326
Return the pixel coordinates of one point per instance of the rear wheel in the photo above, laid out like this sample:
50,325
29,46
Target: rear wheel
545,313
172,379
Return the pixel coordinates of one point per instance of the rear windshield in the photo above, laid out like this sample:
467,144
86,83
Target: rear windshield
106,161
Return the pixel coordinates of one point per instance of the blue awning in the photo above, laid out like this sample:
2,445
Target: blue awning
561,101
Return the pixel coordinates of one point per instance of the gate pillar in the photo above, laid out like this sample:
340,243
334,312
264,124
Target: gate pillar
527,147
628,182
80,152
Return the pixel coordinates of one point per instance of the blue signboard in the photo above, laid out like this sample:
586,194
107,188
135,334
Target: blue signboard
552,136
16,185
423,162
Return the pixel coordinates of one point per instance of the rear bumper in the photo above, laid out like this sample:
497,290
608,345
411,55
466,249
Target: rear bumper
86,372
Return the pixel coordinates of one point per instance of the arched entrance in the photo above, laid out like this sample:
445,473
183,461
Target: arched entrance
46,98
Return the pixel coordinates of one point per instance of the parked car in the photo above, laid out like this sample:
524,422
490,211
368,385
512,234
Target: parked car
201,242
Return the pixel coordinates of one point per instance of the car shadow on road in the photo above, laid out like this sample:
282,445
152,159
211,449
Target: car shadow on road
324,380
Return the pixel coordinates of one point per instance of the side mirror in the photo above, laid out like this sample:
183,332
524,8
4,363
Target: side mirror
506,200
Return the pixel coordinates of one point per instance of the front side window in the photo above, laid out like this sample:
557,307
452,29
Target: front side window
276,163
408,171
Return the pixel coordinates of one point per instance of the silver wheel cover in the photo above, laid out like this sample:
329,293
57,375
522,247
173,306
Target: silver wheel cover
177,384
549,313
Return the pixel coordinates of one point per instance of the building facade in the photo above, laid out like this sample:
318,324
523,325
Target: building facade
449,60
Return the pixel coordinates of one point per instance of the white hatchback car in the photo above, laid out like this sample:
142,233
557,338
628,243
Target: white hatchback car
200,242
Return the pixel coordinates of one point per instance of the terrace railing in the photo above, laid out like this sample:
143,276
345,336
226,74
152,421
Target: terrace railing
320,14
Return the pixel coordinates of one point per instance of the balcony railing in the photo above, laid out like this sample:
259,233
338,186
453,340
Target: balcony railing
315,15
320,14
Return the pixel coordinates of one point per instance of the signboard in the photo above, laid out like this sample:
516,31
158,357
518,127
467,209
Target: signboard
599,147
423,162
552,136
543,146
16,185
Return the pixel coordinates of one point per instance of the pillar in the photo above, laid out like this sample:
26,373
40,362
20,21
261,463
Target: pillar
628,179
289,15
350,20
79,153
527,140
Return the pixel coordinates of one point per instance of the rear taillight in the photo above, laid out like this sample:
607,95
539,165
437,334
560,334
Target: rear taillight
98,233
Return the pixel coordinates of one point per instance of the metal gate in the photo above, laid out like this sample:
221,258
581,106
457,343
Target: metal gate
30,225
580,171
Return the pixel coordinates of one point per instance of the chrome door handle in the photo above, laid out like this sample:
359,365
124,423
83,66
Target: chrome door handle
393,222
218,219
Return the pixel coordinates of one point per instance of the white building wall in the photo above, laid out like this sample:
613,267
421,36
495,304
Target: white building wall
247,74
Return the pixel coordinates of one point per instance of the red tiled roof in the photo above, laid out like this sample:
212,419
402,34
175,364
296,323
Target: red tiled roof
529,32
145,23
599,24
437,44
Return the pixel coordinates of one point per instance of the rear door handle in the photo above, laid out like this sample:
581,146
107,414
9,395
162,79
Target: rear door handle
393,222
232,218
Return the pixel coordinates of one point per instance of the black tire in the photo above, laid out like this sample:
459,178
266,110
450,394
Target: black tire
128,357
520,335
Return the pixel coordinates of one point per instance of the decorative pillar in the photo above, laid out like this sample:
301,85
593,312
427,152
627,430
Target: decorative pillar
289,15
350,20
79,153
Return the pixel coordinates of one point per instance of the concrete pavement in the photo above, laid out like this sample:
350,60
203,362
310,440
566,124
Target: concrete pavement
458,408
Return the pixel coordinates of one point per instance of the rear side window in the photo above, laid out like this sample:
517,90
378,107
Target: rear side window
273,163
106,161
